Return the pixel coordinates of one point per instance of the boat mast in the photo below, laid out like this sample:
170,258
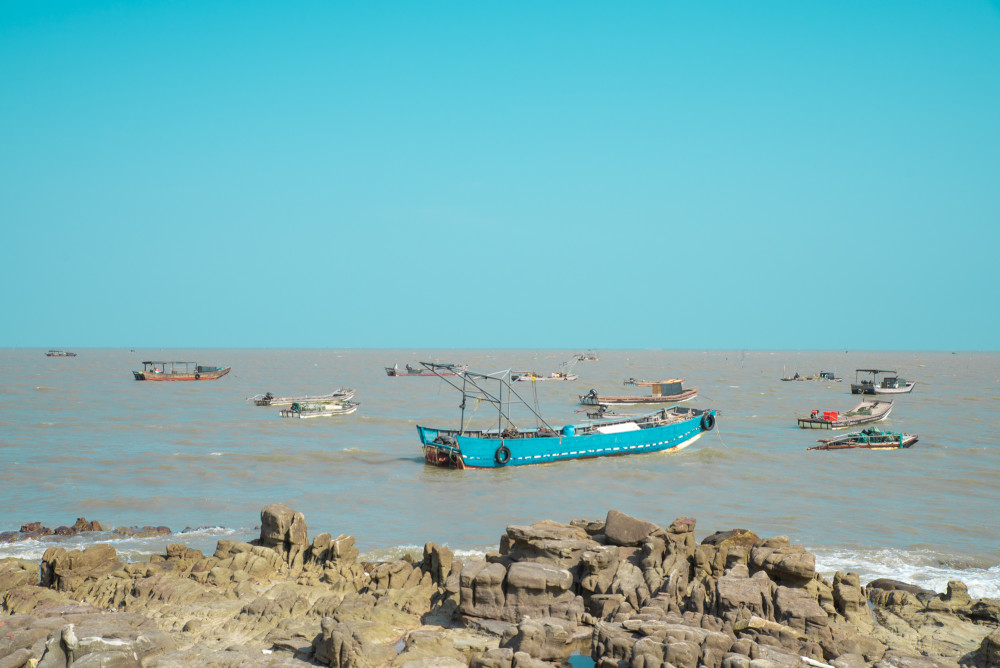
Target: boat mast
461,423
481,393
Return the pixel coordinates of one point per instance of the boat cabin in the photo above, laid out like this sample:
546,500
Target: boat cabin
888,384
875,374
178,368
667,387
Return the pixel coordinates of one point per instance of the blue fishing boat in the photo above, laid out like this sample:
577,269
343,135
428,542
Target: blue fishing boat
506,444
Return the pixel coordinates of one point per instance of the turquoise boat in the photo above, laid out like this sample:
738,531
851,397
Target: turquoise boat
506,444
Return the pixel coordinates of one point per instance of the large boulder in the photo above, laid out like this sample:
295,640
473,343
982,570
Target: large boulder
599,567
16,573
66,570
547,639
344,645
482,590
796,608
739,597
988,653
438,561
548,542
784,562
625,530
644,643
732,538
540,590
284,530
850,600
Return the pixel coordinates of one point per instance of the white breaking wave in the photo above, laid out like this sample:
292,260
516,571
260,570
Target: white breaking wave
925,569
129,548
417,552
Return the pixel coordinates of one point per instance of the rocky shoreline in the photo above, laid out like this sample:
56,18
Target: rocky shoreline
624,591
36,531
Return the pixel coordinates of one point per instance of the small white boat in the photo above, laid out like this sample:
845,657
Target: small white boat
268,399
323,409
888,385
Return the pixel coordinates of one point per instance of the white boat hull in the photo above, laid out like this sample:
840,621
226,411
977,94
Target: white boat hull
308,414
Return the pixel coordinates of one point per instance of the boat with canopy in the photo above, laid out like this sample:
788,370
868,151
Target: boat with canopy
888,385
174,371
661,392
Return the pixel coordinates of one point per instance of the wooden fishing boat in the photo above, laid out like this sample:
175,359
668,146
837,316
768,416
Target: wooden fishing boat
59,353
319,409
268,399
869,439
525,376
179,371
589,356
888,385
446,370
662,392
863,413
822,375
666,430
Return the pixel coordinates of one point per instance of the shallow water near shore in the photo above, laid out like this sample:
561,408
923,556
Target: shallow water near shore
79,437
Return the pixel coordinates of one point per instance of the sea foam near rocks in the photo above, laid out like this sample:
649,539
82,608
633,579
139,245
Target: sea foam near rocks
926,568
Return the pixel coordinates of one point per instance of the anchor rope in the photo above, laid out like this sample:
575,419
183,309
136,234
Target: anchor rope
719,433
474,409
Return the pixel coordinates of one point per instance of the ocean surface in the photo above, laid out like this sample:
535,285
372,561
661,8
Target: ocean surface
80,438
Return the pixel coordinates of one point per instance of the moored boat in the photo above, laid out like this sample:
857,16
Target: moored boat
525,376
863,413
661,392
444,370
666,430
869,439
59,353
887,385
179,371
319,409
822,375
268,399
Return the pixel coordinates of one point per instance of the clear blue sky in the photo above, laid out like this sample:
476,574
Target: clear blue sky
541,174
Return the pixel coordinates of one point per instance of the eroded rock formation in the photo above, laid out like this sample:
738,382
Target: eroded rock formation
626,591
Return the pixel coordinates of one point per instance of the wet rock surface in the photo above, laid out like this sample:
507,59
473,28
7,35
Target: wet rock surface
623,590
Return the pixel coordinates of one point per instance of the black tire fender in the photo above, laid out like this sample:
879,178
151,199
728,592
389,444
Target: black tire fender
502,455
197,376
708,422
